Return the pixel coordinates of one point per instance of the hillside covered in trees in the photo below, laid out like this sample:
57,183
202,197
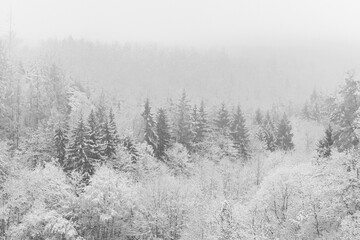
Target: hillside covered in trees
77,163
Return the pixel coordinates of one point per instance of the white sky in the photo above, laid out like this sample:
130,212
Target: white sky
194,22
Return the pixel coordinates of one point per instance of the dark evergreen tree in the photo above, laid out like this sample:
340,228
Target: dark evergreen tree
112,126
203,123
93,145
222,122
284,135
182,132
130,148
163,134
305,112
324,145
239,134
110,139
267,133
345,115
149,126
258,117
78,160
60,145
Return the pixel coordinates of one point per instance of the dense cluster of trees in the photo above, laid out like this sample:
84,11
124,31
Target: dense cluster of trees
70,169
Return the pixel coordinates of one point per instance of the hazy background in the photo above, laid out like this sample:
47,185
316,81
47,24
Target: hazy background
256,51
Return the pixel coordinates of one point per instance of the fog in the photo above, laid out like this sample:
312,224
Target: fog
273,50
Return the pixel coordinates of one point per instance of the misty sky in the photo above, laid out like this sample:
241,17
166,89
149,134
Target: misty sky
186,22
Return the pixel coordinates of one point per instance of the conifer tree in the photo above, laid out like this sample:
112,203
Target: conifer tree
222,122
345,115
163,134
110,139
267,134
182,131
240,134
60,143
78,160
93,146
149,126
195,125
130,148
203,123
258,117
324,145
284,135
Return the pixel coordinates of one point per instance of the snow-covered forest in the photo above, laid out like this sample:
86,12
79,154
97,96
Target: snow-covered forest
83,164
179,120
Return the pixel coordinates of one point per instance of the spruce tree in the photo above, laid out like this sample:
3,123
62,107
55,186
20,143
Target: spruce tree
149,126
78,160
267,134
163,134
182,131
203,128
195,125
258,117
110,139
324,145
60,143
130,148
239,134
222,122
93,146
284,135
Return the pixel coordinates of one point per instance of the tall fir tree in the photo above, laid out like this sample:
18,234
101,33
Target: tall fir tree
345,115
163,134
149,126
93,145
60,145
325,145
284,135
110,139
182,132
129,146
78,160
267,133
203,127
258,119
222,122
240,135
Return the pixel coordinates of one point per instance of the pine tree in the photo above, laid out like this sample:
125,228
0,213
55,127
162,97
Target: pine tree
305,112
182,131
258,117
345,115
203,123
195,125
60,143
110,139
93,146
149,125
130,148
78,160
240,134
324,145
267,134
284,135
163,134
222,122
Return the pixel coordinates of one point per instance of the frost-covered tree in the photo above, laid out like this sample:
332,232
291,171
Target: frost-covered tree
60,144
284,135
163,134
149,126
78,160
182,128
345,115
267,133
239,134
258,119
324,146
222,121
93,145
130,147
